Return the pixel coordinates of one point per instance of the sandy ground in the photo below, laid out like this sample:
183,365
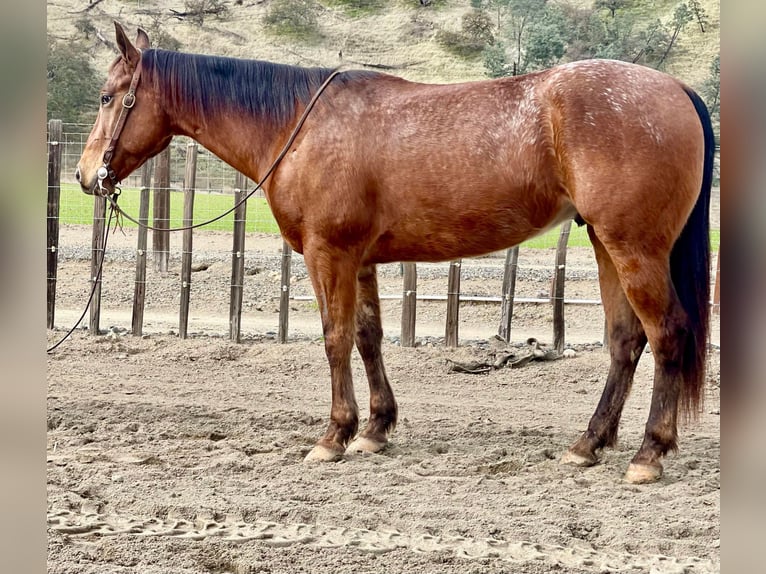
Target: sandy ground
185,456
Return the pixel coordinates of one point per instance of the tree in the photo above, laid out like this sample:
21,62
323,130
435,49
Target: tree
585,31
474,36
523,15
613,6
496,61
72,83
546,39
681,17
699,14
478,27
498,8
711,89
534,36
652,41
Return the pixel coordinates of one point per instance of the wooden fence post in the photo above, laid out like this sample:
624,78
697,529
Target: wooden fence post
284,298
453,304
509,292
190,177
238,259
717,288
161,211
557,291
96,261
139,289
55,134
409,304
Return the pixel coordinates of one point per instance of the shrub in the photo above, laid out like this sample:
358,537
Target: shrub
293,17
85,26
160,37
198,10
358,7
475,35
72,94
477,25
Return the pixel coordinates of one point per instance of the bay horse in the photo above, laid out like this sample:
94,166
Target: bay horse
386,170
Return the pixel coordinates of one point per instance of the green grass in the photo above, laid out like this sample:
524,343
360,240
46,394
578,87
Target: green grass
578,237
77,208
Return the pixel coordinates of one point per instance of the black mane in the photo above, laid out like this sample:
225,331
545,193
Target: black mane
211,85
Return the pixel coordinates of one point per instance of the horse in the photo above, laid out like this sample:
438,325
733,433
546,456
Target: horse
380,169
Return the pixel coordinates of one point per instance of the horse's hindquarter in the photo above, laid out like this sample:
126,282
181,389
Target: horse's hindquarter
625,136
436,172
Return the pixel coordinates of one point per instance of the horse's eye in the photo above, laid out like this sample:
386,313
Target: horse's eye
105,99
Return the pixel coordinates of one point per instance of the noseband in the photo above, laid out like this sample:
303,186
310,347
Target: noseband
128,101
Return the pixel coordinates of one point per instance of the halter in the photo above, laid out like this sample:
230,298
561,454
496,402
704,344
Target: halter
128,101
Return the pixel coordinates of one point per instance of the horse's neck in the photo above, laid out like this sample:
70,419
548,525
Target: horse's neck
239,141
244,116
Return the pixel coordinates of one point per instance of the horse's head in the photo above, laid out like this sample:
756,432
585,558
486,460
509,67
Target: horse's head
131,126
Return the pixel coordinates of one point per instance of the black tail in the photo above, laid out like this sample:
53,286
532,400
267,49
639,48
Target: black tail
690,270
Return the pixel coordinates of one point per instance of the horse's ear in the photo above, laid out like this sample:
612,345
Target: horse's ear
128,51
142,40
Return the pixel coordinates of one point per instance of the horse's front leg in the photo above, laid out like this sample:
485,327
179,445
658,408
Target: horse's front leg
333,275
369,335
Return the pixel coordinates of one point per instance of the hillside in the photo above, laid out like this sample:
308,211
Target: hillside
398,34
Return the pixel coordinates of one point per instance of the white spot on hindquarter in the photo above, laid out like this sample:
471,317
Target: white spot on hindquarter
614,100
630,94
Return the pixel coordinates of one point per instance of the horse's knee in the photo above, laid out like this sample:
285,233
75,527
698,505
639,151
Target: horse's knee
337,346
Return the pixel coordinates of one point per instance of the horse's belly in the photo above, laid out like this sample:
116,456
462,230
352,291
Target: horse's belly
443,237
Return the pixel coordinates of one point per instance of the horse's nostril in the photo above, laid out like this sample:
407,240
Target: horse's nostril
77,175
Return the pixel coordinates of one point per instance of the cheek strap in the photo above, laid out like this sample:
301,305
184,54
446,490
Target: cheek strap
128,101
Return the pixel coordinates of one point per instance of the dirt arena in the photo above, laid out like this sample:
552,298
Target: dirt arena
169,456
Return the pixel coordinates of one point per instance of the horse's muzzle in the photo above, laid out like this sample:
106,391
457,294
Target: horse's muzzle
92,187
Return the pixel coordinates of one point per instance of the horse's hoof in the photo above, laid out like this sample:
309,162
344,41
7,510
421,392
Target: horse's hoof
642,473
365,445
321,453
571,457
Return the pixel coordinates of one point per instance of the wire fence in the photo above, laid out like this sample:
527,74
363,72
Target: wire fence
213,178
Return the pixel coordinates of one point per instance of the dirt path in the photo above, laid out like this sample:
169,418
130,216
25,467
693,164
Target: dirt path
170,456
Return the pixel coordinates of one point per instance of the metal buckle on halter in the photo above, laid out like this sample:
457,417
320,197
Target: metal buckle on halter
102,174
129,100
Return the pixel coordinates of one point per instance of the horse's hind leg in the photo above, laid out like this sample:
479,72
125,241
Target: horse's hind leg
644,271
667,328
333,275
626,343
369,334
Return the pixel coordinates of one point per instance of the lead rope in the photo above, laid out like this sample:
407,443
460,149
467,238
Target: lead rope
116,209
96,281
